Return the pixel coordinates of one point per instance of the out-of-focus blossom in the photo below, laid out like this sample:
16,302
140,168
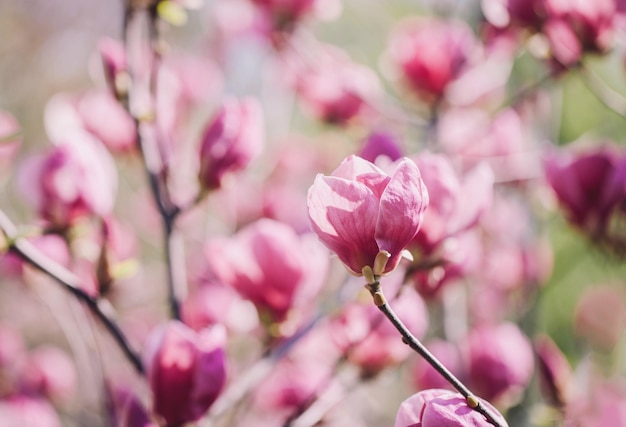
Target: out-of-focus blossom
470,137
12,346
577,26
512,13
456,204
212,303
334,88
27,411
589,186
554,371
442,408
430,53
270,265
283,14
380,143
501,361
598,404
49,372
600,316
127,410
232,139
103,116
74,179
186,370
359,211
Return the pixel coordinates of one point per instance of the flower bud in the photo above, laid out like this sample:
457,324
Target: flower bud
359,211
185,369
233,138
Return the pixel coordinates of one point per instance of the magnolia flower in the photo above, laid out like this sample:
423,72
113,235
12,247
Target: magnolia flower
431,53
366,216
186,370
441,408
232,139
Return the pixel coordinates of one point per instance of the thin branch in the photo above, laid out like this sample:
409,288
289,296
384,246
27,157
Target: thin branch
71,283
408,338
153,159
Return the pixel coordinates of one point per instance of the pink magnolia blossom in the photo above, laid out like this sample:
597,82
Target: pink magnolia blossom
27,411
441,408
285,13
49,372
501,361
270,265
456,203
430,53
334,88
232,139
359,211
380,143
104,117
186,370
589,185
574,27
74,179
113,55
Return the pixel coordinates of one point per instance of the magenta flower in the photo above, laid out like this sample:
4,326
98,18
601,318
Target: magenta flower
431,53
186,370
500,361
74,179
360,211
588,186
270,265
233,138
441,408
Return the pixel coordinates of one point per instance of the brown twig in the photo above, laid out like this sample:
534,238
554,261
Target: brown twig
71,283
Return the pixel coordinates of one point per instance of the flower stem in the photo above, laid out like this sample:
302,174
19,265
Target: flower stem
408,338
70,282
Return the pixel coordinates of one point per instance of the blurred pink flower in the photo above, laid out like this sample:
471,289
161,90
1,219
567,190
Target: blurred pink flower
380,143
27,412
269,264
501,361
599,404
574,27
285,13
126,409
430,53
72,180
104,117
333,88
441,408
51,245
49,372
186,370
232,139
456,203
588,185
360,210
512,13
